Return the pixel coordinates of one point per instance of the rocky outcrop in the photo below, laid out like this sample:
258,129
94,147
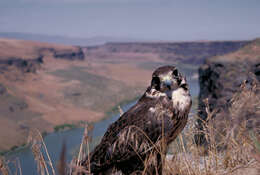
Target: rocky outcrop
256,70
219,81
25,65
31,65
223,79
67,54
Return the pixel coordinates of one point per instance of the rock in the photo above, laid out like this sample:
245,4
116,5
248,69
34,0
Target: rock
25,65
33,64
69,55
221,83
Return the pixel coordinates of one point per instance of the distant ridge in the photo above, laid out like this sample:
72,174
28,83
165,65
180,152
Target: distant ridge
98,40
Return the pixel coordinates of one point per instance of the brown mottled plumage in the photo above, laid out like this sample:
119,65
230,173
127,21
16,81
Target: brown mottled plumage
140,136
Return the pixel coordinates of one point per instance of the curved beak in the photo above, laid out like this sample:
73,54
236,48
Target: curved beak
167,82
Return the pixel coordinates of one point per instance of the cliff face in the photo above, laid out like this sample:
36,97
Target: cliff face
28,65
28,56
223,78
75,53
186,52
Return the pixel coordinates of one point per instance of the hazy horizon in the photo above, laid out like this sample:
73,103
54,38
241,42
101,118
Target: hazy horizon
135,19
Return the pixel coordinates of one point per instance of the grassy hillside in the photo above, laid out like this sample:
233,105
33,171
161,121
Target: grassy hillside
62,88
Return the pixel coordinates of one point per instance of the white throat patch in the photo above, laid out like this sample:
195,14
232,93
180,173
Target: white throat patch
181,99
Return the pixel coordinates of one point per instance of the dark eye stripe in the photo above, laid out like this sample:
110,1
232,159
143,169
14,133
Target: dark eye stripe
175,72
156,83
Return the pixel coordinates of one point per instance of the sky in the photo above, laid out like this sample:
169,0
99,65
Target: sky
175,20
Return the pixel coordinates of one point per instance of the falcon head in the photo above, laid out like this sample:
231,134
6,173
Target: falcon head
167,79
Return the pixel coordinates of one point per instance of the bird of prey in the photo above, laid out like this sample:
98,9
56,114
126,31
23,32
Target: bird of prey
137,141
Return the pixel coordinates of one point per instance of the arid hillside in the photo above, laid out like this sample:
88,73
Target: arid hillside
47,86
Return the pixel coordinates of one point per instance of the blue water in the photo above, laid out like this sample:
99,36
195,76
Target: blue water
54,141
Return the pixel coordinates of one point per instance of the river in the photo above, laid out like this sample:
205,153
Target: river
72,139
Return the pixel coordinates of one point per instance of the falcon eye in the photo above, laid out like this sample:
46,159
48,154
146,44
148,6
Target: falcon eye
175,72
156,83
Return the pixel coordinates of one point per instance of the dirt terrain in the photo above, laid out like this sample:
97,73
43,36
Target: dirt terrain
47,85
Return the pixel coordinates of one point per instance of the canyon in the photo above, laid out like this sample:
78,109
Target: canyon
51,86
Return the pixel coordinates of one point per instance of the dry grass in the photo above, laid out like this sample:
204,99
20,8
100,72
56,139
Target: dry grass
235,158
232,141
3,166
233,149
75,167
39,149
